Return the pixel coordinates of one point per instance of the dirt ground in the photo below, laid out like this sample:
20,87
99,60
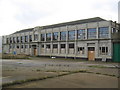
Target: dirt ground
98,74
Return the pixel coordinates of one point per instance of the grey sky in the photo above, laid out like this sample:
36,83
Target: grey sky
21,14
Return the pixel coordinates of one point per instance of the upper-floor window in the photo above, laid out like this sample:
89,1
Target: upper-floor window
26,38
48,37
35,37
30,38
7,40
63,35
71,35
103,32
13,39
92,33
22,39
42,37
10,40
81,34
55,36
18,39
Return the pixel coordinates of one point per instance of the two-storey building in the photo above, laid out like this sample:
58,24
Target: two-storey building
89,39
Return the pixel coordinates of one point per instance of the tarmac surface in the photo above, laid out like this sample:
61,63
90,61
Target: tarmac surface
104,74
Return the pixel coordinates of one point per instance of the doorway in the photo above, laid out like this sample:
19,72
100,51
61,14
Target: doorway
91,53
35,51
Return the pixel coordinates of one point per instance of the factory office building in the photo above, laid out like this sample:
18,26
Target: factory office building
89,39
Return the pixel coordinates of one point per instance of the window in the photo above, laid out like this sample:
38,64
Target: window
81,34
62,45
26,46
103,50
55,36
71,35
63,35
10,40
35,37
113,30
71,45
17,46
42,37
103,32
29,46
81,50
18,39
42,46
10,46
22,39
48,46
13,39
55,45
21,46
91,33
26,38
30,38
7,40
13,46
48,36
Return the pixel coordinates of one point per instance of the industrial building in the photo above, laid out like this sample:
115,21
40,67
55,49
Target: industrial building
89,39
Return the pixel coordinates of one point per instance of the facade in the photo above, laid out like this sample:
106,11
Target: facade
89,39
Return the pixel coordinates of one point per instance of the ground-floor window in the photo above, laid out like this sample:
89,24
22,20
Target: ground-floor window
103,50
21,46
26,46
71,48
55,46
62,45
42,45
63,50
17,46
48,46
29,46
71,45
81,50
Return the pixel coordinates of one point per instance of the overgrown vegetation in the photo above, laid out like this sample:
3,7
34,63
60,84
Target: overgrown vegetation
98,66
11,56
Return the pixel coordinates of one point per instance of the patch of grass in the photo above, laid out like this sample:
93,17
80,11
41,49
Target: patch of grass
98,73
38,70
97,66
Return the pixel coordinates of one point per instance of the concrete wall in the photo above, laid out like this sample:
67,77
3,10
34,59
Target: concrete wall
66,52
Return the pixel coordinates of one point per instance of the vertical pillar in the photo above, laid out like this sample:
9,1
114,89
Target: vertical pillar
75,44
86,35
66,41
59,42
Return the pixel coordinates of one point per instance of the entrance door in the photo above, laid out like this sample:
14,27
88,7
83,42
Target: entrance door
35,51
91,53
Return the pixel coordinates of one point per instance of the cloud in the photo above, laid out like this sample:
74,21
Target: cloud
20,14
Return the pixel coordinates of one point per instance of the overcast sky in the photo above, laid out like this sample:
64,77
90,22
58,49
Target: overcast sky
22,14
